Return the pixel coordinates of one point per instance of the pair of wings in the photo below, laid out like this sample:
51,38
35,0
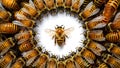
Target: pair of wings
52,32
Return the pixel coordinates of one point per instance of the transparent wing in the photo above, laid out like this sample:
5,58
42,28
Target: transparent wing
50,32
69,30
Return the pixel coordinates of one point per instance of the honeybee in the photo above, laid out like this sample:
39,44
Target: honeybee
75,6
95,47
6,45
59,3
31,55
114,49
26,23
103,65
96,35
90,10
19,63
59,34
85,3
41,61
8,28
24,36
7,59
110,10
115,24
30,9
113,36
68,3
50,4
52,63
79,62
112,61
96,23
99,3
21,15
88,55
69,63
39,5
10,4
60,64
4,15
26,46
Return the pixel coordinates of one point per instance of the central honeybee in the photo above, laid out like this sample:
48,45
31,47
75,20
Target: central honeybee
59,34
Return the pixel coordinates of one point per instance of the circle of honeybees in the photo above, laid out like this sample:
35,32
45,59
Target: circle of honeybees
101,21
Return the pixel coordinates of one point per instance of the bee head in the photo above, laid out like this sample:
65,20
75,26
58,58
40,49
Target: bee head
61,27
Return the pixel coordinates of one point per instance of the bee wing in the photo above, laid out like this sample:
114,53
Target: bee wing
18,23
67,31
50,32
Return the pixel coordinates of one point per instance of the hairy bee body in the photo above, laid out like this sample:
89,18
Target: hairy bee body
79,62
95,23
30,56
24,36
96,35
7,59
52,63
5,45
59,3
39,5
88,55
41,61
8,28
19,63
10,4
31,10
90,10
69,63
26,46
75,6
4,15
95,47
113,37
110,10
60,64
68,3
50,4
112,61
115,50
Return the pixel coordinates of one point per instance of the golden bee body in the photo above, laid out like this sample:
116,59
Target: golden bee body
95,47
8,28
113,36
5,45
59,3
7,59
19,63
79,62
68,3
60,64
24,36
96,35
103,65
4,15
110,10
30,56
52,63
88,55
10,4
75,6
39,5
41,61
50,4
70,63
112,61
26,46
